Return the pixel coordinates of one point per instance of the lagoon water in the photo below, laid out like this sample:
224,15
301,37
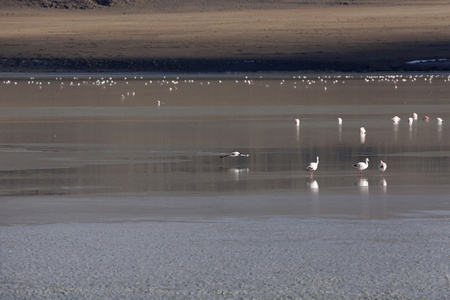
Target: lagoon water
97,148
113,187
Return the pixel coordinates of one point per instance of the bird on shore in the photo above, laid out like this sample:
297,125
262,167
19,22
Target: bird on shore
313,166
234,154
382,166
360,166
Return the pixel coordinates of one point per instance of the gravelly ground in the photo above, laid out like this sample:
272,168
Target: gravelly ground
231,258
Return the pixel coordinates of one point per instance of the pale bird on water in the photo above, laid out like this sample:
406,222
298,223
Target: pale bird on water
382,166
360,166
313,166
396,119
234,154
362,130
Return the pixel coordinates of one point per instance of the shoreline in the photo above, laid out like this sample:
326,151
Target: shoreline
168,65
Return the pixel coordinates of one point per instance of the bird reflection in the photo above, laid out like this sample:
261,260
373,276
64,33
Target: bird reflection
362,138
383,184
362,184
313,185
439,131
395,129
236,173
340,132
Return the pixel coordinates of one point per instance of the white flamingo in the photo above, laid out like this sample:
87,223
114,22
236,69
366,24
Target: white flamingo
362,130
340,121
382,166
410,120
439,120
361,166
312,167
297,122
396,119
414,116
234,154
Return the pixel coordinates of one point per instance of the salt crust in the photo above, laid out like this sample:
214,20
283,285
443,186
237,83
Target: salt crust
229,258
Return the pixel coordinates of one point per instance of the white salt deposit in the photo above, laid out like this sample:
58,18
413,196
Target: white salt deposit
263,259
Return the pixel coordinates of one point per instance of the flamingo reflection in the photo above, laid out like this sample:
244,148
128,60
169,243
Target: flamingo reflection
362,184
236,173
313,185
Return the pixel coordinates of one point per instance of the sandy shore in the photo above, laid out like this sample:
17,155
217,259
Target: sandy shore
230,258
363,37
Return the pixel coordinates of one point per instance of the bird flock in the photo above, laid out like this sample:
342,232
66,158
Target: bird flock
327,81
359,166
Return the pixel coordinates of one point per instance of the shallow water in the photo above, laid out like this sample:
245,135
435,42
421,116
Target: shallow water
127,148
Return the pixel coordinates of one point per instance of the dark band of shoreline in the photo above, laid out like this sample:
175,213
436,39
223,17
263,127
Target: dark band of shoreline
211,65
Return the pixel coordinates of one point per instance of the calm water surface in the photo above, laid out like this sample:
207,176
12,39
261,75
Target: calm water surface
125,148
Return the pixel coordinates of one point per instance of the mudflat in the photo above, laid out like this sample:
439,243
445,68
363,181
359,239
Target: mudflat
367,36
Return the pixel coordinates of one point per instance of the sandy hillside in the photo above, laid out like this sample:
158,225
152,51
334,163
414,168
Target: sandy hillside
222,35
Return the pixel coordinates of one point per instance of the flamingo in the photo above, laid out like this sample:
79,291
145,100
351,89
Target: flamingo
439,120
361,166
362,130
414,116
339,121
426,118
312,167
297,122
396,119
410,120
382,166
234,154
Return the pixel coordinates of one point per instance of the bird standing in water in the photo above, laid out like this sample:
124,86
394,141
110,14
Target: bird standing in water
234,154
382,166
361,166
312,167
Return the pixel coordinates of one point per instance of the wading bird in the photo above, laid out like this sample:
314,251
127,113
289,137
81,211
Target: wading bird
361,166
312,167
234,154
395,119
362,130
382,166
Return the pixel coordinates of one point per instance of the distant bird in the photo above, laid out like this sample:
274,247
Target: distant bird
396,119
313,166
339,121
414,116
382,166
362,130
439,120
426,118
297,122
234,154
361,166
410,120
